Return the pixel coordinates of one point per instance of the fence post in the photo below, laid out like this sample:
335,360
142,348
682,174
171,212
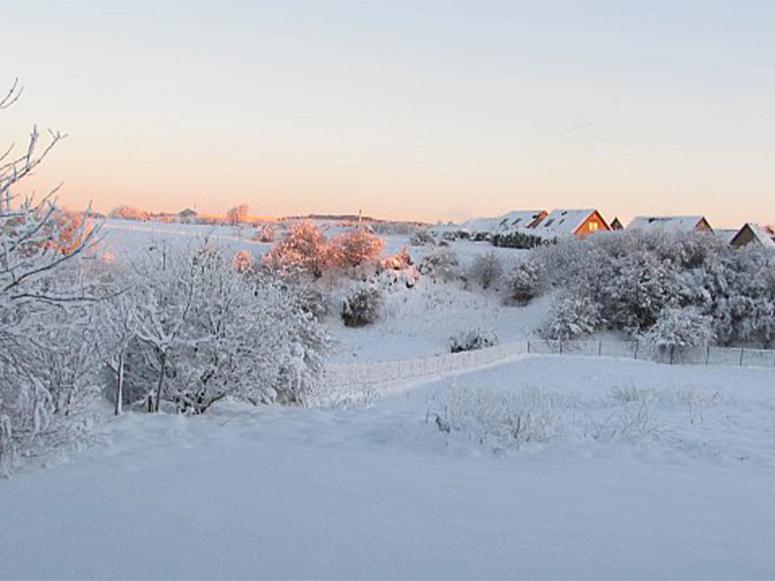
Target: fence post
742,350
599,348
637,346
560,346
707,354
528,345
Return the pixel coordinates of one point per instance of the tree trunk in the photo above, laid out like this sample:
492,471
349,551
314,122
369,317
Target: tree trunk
160,384
120,385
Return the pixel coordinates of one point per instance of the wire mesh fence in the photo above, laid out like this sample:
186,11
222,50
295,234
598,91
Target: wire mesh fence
406,370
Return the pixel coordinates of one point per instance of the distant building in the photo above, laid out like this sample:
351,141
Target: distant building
563,223
752,233
670,223
616,224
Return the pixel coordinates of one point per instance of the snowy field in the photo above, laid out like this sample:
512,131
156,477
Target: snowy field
623,469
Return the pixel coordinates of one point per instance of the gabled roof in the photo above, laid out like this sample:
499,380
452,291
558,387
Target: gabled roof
562,223
668,223
515,220
761,234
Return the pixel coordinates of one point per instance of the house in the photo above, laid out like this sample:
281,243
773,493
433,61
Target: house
506,223
725,234
563,223
616,224
752,233
670,223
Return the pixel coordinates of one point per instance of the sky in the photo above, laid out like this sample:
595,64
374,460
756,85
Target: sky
405,110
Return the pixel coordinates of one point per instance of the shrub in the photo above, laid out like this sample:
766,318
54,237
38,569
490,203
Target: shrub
265,233
422,238
486,270
305,249
678,330
442,264
399,261
524,282
362,307
472,340
355,248
574,317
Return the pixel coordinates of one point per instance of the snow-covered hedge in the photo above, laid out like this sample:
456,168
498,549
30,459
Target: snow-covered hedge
629,281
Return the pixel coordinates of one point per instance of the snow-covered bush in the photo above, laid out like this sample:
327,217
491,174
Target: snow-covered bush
305,249
524,282
362,307
442,264
677,330
265,233
472,339
399,261
354,248
573,317
485,270
422,238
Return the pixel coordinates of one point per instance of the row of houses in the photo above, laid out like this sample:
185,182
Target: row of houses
581,223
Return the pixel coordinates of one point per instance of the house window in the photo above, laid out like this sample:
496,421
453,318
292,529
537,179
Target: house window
593,226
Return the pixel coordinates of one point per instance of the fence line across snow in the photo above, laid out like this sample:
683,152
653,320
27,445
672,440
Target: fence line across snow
407,370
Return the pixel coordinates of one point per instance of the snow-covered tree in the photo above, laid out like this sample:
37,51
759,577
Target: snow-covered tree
304,249
210,331
485,270
238,215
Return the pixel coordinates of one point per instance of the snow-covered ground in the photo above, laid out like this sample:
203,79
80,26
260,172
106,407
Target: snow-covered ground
637,470
539,467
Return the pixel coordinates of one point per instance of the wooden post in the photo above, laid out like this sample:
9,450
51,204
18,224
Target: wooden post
599,348
637,345
741,356
707,354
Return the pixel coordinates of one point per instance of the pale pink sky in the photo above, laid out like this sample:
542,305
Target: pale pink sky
431,111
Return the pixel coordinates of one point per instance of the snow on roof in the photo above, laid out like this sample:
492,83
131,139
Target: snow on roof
762,234
562,223
671,223
725,234
515,220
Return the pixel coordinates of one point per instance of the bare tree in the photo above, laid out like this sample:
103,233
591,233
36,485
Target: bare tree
238,215
35,244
